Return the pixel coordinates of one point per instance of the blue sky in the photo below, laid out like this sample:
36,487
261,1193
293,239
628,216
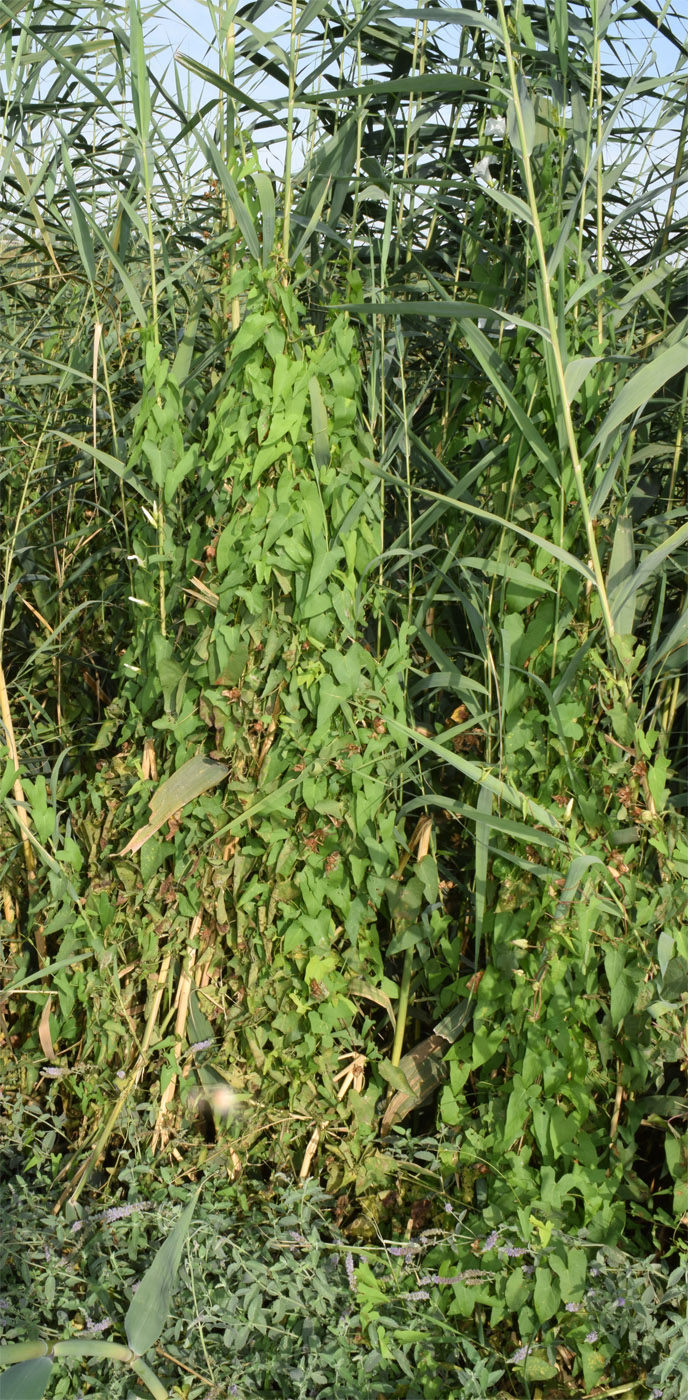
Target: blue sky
187,27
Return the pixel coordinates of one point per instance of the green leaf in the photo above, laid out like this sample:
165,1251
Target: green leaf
487,357
199,1025
82,235
537,1368
432,15
266,195
657,774
521,103
321,446
482,839
510,202
193,778
622,985
639,389
648,567
546,1297
27,1380
576,373
239,209
150,1306
182,360
8,778
480,775
240,96
423,1069
395,1076
138,73
577,869
358,988
621,566
113,464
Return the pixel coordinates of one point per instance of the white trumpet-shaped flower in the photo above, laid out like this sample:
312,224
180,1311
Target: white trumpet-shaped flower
482,170
495,127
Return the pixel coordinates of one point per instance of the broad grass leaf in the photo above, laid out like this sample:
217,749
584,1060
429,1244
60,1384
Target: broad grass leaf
454,1023
313,222
577,869
480,775
423,1068
673,650
138,73
192,779
640,388
199,1027
649,566
561,34
487,357
239,209
445,310
484,808
113,464
27,1380
150,1305
358,988
576,374
527,111
468,508
242,97
621,565
510,202
183,358
266,195
321,446
82,234
449,16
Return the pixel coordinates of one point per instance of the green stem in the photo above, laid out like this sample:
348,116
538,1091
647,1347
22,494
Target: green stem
554,335
293,50
402,1009
15,1352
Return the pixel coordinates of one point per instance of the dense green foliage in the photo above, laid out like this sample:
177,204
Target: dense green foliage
342,683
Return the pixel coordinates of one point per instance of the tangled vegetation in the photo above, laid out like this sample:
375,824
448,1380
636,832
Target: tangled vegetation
342,683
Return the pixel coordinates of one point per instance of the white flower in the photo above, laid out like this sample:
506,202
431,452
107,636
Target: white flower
495,127
482,170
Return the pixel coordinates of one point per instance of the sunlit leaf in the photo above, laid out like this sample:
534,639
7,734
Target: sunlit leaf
150,1306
